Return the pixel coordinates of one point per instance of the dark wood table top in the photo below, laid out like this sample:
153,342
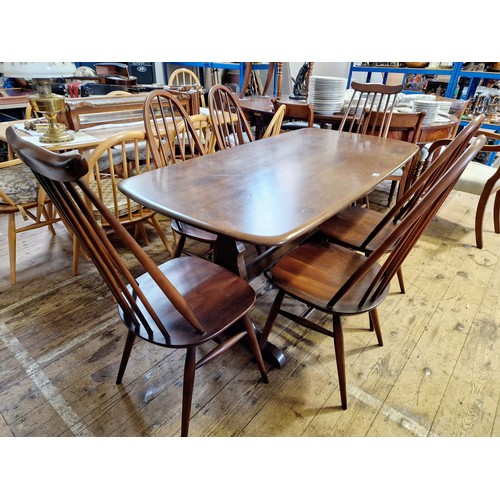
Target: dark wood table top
274,190
272,193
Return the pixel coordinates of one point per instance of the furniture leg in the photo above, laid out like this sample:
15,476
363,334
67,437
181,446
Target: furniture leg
230,254
187,389
338,341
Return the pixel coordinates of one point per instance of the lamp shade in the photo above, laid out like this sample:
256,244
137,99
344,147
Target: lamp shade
28,70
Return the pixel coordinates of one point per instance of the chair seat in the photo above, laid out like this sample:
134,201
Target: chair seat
123,203
225,295
353,225
475,177
315,272
192,232
19,184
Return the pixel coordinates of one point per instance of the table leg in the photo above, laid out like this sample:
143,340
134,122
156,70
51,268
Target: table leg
230,254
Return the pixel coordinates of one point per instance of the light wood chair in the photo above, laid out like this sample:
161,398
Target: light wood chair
203,127
185,77
339,282
274,127
20,194
173,137
121,156
182,304
118,93
230,125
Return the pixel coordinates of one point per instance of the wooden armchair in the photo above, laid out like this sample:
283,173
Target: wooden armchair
182,304
483,181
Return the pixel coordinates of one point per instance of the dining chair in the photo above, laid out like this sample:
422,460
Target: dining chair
182,77
404,127
367,99
173,138
20,194
339,282
457,108
274,127
369,111
483,181
180,304
203,127
230,125
121,156
297,115
361,228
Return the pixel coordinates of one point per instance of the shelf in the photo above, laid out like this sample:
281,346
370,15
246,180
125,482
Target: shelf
452,87
397,69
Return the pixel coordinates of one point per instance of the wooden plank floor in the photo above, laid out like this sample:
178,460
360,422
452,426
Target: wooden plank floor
437,374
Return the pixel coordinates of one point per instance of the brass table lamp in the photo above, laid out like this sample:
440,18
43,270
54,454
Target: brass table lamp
44,102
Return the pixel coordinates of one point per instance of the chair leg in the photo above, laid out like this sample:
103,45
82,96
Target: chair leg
338,342
76,255
374,320
273,313
187,389
129,343
496,212
49,216
481,207
162,235
401,280
179,247
392,190
254,345
12,247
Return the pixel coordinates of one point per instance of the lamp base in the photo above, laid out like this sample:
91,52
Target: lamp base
49,105
59,134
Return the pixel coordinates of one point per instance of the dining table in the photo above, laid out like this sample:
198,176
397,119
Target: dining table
260,110
269,194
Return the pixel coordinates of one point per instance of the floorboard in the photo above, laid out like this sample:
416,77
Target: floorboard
438,373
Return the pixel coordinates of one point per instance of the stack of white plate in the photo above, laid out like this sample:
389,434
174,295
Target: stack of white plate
326,94
444,107
410,98
431,109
